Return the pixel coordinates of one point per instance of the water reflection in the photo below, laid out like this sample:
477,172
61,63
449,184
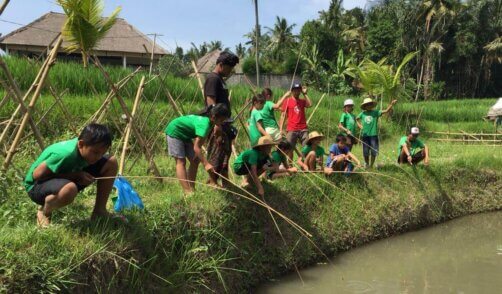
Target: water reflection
460,256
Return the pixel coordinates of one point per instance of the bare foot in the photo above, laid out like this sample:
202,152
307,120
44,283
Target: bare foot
43,221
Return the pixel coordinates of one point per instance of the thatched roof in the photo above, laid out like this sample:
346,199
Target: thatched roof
122,38
206,63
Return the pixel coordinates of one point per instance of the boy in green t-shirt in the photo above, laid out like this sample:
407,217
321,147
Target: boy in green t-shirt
65,168
185,137
368,122
279,157
411,149
252,163
256,121
312,153
347,123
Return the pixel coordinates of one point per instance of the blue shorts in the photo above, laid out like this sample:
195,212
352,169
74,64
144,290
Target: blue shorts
370,146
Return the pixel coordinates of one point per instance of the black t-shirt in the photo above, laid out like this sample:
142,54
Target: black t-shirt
215,87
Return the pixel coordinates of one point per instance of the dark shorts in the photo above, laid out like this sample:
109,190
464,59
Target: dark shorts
415,158
370,146
293,136
42,189
242,170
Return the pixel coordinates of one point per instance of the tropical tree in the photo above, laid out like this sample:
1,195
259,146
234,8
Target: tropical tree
281,38
215,45
338,72
84,27
240,50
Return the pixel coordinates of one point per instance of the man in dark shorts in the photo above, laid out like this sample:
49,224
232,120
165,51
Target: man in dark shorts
215,91
65,168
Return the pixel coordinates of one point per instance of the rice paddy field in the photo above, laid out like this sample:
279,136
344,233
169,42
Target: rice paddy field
217,241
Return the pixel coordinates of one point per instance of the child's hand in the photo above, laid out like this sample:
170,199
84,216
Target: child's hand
208,167
292,170
85,179
410,159
304,90
393,102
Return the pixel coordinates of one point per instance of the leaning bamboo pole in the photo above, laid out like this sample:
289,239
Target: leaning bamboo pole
34,98
128,127
315,109
123,105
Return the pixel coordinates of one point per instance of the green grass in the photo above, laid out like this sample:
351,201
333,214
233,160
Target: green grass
217,241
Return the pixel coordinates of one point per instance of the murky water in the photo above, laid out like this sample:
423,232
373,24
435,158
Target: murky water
460,256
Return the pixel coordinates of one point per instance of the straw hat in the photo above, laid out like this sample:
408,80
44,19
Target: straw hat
367,102
265,141
314,135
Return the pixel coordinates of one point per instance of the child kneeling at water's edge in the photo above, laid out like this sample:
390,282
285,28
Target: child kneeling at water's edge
252,163
312,153
66,168
185,137
279,157
340,158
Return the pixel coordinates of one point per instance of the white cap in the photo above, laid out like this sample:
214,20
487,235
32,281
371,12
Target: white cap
415,131
348,102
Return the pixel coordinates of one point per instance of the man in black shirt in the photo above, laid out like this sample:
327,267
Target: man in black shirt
215,91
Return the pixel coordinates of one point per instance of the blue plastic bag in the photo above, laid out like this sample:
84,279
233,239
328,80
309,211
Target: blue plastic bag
127,197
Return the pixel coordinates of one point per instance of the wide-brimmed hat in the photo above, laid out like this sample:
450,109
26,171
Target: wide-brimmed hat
314,135
367,102
265,141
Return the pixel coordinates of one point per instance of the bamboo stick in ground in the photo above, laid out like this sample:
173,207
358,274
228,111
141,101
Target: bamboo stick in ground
315,109
199,81
38,90
123,105
128,128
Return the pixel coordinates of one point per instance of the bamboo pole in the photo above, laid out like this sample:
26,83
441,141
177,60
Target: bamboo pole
4,4
43,76
199,81
123,105
315,109
5,98
128,128
16,95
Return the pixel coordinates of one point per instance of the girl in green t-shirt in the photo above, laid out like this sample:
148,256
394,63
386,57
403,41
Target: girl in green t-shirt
312,153
256,128
185,137
347,123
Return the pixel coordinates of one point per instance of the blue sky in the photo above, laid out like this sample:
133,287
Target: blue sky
184,21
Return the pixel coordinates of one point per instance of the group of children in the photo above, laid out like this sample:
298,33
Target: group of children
65,168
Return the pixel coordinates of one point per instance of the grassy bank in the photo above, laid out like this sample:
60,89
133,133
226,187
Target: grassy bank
217,241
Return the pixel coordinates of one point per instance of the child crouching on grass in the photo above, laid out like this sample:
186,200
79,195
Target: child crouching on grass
340,158
312,153
279,157
66,168
251,163
185,137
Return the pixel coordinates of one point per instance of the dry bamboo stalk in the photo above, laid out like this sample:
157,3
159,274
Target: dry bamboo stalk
123,105
315,109
43,76
464,140
128,128
16,95
173,103
461,134
199,81
65,111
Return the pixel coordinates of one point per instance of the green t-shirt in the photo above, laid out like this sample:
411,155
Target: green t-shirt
413,146
277,157
186,128
319,151
250,157
267,114
369,120
254,133
60,158
348,121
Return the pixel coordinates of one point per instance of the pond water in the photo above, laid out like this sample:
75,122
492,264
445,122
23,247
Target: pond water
459,256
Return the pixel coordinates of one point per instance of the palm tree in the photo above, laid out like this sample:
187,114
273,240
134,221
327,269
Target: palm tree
84,27
281,37
240,50
215,45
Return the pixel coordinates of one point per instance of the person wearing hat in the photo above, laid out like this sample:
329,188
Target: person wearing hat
251,163
411,149
215,91
347,123
294,112
367,120
312,153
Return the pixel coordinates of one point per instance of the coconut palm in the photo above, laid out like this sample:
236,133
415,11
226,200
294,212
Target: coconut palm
84,26
215,45
380,79
281,37
240,50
